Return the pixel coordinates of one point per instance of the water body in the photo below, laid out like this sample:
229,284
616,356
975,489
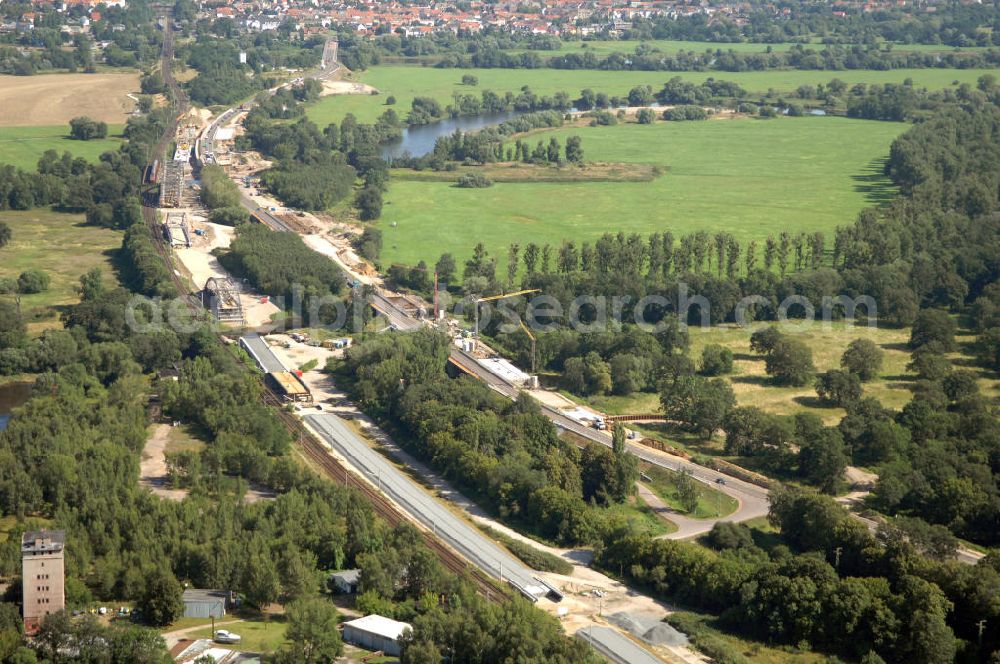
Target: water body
419,140
12,395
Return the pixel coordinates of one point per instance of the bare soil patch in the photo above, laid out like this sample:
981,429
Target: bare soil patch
50,99
346,88
153,465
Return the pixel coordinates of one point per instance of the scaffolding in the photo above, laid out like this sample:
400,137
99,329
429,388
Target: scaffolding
172,184
176,229
222,298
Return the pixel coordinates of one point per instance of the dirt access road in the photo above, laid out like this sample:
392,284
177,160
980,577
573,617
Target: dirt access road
52,99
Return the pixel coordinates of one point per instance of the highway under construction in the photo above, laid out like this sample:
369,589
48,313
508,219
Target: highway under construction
450,535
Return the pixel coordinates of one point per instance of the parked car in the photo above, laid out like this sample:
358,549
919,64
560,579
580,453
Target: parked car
225,636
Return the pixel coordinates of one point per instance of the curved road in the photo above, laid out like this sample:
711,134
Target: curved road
752,498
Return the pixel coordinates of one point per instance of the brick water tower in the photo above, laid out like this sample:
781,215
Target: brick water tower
42,576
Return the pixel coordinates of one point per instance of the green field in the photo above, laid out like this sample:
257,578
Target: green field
746,176
606,47
22,146
405,82
65,248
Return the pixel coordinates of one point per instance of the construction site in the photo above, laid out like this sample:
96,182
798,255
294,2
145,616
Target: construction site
221,297
176,230
192,238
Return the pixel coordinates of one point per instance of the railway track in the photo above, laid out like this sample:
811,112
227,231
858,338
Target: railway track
149,199
316,452
311,447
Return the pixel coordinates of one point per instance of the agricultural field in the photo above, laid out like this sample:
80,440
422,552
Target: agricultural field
23,146
406,82
54,99
62,246
827,342
746,176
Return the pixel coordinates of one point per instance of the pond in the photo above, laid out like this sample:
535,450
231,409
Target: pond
419,140
12,395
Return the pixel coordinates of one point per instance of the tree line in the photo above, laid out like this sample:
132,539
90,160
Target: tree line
505,454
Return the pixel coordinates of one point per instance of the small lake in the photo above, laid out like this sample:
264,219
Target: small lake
419,140
12,395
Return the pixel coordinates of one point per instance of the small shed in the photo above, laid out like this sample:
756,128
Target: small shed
205,603
345,581
376,633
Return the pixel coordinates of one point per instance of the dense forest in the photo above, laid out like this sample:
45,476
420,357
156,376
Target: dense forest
649,58
222,77
279,263
828,583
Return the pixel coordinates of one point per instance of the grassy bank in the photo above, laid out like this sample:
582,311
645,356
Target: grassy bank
534,558
712,504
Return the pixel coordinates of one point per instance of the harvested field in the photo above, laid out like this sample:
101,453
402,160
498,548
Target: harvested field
49,99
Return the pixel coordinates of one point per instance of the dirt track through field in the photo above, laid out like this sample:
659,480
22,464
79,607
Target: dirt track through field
50,99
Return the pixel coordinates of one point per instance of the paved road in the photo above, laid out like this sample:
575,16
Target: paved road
468,541
261,353
752,498
616,647
397,319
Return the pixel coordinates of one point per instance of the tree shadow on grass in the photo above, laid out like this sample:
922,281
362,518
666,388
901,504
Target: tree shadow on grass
873,183
812,402
762,381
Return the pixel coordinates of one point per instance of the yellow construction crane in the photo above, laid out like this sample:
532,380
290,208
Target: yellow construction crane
493,298
532,337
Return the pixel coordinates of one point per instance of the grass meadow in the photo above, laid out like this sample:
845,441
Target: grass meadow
23,146
406,82
753,387
746,176
65,248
